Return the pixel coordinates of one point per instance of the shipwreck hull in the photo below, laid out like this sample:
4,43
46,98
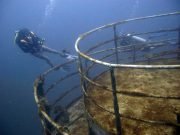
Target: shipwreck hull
127,82
130,76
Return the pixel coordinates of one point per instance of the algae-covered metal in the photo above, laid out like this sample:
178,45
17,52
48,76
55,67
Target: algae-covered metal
130,72
60,105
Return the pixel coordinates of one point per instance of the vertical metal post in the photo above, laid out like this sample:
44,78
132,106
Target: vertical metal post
115,102
43,106
83,84
115,43
179,44
86,67
134,54
82,73
178,121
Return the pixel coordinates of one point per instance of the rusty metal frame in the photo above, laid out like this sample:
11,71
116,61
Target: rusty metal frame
87,56
83,36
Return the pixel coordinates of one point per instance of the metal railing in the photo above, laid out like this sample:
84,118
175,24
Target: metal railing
52,109
105,56
110,54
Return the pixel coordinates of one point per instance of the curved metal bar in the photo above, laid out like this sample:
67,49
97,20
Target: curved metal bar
64,94
152,121
123,65
60,128
155,43
46,115
82,36
39,92
168,123
58,81
56,68
124,92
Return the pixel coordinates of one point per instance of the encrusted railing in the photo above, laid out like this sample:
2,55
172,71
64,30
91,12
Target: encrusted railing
154,45
53,111
145,43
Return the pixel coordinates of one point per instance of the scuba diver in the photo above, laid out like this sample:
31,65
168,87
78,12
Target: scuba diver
31,43
128,39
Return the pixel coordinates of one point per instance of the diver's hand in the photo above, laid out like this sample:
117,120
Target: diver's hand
71,57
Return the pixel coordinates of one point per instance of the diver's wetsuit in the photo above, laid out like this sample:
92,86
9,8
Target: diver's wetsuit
30,43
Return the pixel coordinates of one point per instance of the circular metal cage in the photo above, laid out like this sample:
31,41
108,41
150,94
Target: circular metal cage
130,76
59,99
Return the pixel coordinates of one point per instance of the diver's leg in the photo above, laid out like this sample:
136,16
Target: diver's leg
47,49
44,58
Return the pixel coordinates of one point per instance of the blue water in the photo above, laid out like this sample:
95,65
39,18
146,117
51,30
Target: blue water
59,22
